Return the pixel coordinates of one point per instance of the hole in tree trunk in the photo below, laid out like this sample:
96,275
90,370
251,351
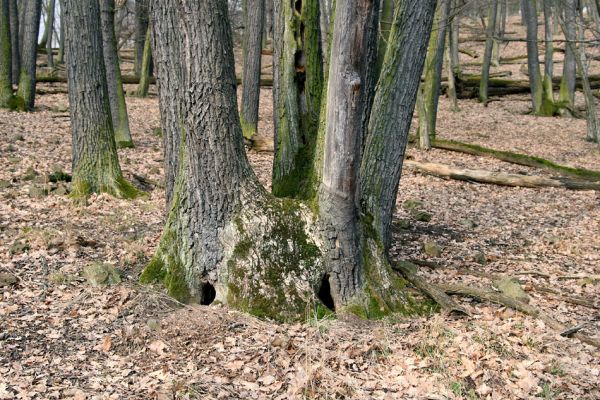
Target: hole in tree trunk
208,294
325,293
298,6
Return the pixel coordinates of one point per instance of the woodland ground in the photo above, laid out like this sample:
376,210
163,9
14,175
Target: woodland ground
62,338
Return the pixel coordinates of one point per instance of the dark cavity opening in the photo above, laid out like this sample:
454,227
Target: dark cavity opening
325,293
298,6
208,294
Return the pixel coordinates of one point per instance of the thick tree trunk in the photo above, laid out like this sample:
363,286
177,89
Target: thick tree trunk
95,164
145,71
116,95
433,74
487,57
297,91
141,30
168,58
567,85
31,26
50,31
6,91
14,39
253,34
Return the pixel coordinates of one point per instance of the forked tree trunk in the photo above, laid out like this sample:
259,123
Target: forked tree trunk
168,58
116,95
145,71
6,91
31,27
50,31
226,239
14,40
533,63
95,164
253,35
487,57
569,77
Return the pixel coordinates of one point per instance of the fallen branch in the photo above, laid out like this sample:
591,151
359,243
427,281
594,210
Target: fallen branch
470,53
515,158
499,178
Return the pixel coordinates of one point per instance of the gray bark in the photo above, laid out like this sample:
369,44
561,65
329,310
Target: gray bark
253,34
31,26
61,43
533,63
487,57
141,29
50,31
116,95
5,56
14,39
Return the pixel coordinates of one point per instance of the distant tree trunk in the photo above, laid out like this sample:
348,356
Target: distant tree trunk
548,95
487,57
140,35
144,85
6,91
95,164
325,11
169,69
50,28
14,40
116,95
385,24
503,11
253,33
453,38
533,64
450,68
61,43
268,28
44,14
31,27
569,77
430,88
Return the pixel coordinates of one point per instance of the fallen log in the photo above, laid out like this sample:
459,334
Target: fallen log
500,178
470,53
515,158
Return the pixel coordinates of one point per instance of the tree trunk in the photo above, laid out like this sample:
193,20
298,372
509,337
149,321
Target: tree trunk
385,25
116,95
450,68
297,91
567,85
487,57
14,40
31,22
61,43
453,38
50,28
533,63
141,30
253,33
168,59
95,164
6,91
144,85
548,105
433,74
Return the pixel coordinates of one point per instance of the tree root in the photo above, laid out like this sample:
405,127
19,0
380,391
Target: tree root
500,178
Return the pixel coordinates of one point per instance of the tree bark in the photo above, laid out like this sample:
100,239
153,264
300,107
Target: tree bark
50,31
168,58
567,85
253,34
31,25
141,30
533,64
6,91
95,164
116,95
61,43
487,57
548,95
145,71
14,39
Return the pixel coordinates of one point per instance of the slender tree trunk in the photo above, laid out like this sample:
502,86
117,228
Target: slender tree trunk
450,68
487,57
6,91
385,25
433,75
569,77
61,43
168,59
140,35
533,64
144,85
268,26
14,39
50,28
503,11
548,105
453,37
116,95
26,91
325,12
255,10
95,164
44,15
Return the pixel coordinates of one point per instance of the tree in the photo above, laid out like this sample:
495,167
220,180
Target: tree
6,91
31,27
116,95
568,82
14,40
253,35
226,238
533,64
145,70
140,34
49,32
487,57
95,164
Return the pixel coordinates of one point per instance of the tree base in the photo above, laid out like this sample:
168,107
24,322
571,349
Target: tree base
117,187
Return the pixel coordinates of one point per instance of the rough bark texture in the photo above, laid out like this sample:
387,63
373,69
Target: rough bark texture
116,95
487,57
167,57
253,34
14,39
6,92
533,60
31,27
141,29
50,30
297,91
95,163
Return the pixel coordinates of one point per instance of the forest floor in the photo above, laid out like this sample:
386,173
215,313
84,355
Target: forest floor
63,338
